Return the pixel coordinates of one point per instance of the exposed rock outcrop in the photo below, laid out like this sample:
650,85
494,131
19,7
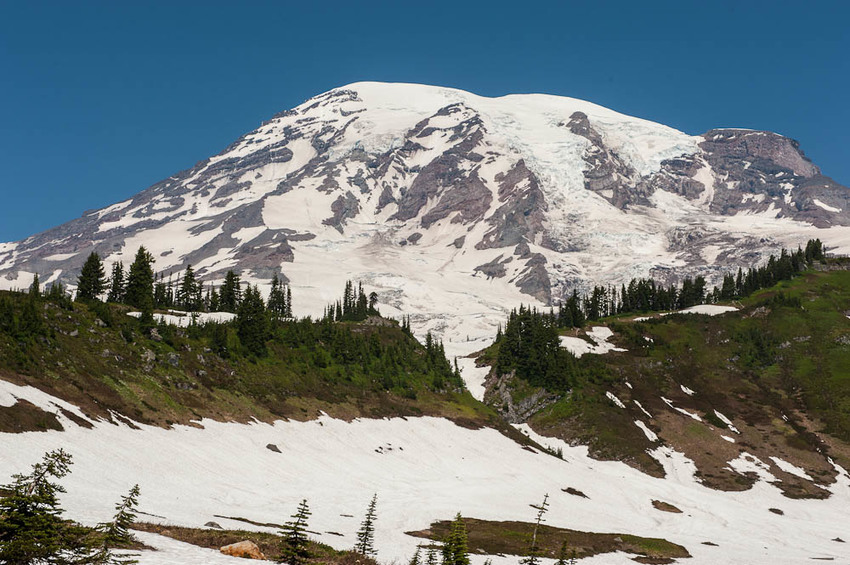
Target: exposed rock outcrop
246,549
606,173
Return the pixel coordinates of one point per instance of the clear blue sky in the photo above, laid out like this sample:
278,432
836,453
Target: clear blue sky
99,100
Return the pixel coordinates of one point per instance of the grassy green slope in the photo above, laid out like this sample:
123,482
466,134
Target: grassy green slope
102,360
779,369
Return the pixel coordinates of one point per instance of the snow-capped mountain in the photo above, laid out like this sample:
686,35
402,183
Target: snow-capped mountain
454,208
448,202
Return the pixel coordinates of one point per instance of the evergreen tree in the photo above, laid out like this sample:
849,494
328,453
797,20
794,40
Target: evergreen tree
533,557
416,559
366,536
431,559
252,323
576,314
30,321
348,301
530,345
57,293
213,302
199,297
294,545
187,292
563,559
116,283
31,526
277,300
92,280
35,287
116,533
739,283
230,294
727,291
455,546
207,298
355,306
361,307
645,295
160,294
288,311
139,291
169,291
814,251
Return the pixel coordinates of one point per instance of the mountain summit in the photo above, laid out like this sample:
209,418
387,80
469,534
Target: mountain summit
428,193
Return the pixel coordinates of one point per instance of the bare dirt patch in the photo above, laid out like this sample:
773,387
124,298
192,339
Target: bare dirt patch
665,507
24,416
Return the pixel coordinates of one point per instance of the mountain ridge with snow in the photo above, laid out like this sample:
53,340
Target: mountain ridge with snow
426,193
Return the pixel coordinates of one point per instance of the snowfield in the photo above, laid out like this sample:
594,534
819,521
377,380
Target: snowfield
708,309
422,469
183,319
600,336
704,309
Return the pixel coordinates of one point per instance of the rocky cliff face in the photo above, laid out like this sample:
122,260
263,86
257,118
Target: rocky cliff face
758,171
429,192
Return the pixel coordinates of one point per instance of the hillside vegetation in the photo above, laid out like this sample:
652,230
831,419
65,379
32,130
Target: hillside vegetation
112,365
778,369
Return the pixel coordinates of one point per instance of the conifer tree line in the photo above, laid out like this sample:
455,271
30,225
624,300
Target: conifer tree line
22,319
141,288
355,306
529,344
337,352
647,295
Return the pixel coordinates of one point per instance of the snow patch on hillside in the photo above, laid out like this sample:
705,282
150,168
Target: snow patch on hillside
706,309
726,421
682,410
790,468
599,335
825,206
642,409
613,398
749,463
183,319
650,435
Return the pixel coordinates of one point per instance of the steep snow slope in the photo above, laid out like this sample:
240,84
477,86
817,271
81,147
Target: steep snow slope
422,469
